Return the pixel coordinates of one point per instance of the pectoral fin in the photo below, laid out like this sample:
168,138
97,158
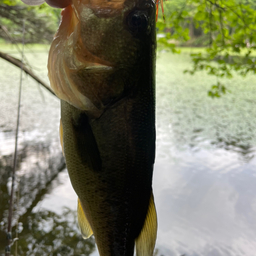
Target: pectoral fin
83,223
145,243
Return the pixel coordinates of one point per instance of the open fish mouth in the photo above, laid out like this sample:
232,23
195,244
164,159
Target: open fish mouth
86,59
98,51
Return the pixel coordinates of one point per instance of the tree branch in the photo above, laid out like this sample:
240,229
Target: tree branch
19,64
215,4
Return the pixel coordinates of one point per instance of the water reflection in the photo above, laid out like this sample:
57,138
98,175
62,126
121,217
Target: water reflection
37,168
205,174
204,207
39,155
47,233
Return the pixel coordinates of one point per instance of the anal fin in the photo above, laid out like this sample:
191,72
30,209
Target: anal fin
145,242
83,223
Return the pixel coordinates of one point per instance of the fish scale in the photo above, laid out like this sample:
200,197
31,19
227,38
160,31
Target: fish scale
126,140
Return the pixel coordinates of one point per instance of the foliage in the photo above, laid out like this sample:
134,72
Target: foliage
228,28
41,22
225,27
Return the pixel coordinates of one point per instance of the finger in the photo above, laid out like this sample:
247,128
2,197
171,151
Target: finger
58,3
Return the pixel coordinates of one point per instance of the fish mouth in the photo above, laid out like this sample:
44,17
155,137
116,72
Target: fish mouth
92,60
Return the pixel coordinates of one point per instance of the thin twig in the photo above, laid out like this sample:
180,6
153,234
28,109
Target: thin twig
13,41
17,223
9,230
18,63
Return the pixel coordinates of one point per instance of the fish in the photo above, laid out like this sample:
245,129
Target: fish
102,67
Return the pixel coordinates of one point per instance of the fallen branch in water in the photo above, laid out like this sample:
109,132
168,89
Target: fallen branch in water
19,64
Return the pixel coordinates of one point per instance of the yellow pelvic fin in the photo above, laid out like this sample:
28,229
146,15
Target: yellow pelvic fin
145,242
61,136
83,223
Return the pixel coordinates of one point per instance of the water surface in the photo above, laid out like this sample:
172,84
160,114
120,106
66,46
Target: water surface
205,176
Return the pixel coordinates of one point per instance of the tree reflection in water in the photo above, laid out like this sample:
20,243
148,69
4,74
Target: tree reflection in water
40,232
47,233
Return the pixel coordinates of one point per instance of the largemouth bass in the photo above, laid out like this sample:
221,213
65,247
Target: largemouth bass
102,67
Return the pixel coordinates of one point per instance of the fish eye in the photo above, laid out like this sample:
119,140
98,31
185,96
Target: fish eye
137,22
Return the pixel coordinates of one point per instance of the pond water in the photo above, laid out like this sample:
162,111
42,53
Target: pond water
205,169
